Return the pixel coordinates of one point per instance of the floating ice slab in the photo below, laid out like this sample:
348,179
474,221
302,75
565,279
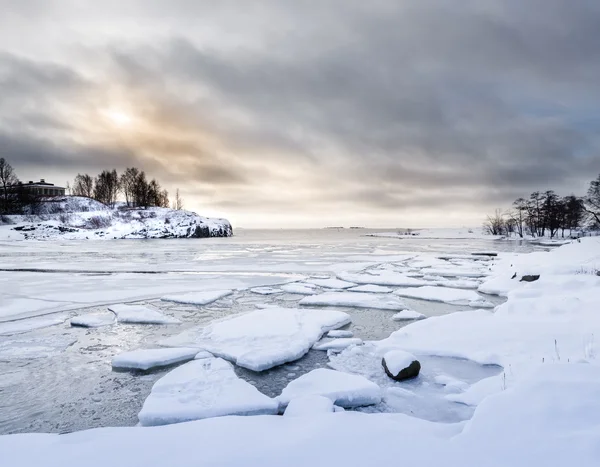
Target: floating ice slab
265,290
370,288
337,344
198,298
203,389
138,314
456,272
299,288
332,283
343,389
406,315
26,325
446,295
93,320
145,359
340,333
262,339
382,277
355,299
308,405
203,354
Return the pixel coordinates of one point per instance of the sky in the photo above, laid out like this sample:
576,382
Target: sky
298,113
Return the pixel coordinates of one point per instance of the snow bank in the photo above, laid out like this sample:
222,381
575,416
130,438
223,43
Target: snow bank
138,314
146,359
343,389
355,300
198,298
202,389
446,295
262,339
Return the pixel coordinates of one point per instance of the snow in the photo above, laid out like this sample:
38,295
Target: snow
340,333
77,218
262,339
202,389
343,389
354,299
446,295
203,354
198,298
370,288
93,320
405,315
299,288
337,344
382,277
139,314
26,325
332,283
398,360
151,358
308,406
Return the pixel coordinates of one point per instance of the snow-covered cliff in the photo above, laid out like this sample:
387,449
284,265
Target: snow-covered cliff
78,218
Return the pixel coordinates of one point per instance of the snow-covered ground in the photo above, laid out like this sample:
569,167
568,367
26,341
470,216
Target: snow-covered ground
77,218
537,406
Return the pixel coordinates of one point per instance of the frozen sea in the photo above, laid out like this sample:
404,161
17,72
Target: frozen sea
58,378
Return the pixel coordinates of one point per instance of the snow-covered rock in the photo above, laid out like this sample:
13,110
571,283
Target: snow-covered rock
338,333
262,339
355,299
197,298
146,359
337,344
309,405
406,315
342,389
202,389
77,218
93,320
139,314
400,365
446,295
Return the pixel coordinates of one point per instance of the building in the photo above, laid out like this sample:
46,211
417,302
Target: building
41,188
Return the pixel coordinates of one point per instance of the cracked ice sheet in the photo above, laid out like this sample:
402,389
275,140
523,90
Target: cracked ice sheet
355,300
198,298
382,277
446,295
200,389
26,325
262,339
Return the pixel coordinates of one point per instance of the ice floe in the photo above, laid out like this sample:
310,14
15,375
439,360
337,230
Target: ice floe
93,320
356,300
146,359
197,298
382,277
26,325
344,389
299,288
309,405
370,288
265,290
332,283
337,344
446,295
262,339
139,314
406,315
340,333
203,389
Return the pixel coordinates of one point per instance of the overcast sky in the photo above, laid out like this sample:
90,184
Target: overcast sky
298,113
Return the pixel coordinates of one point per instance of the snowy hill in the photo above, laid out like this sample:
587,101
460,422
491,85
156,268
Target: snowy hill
76,218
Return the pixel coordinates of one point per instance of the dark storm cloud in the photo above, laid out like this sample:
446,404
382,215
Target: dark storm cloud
386,104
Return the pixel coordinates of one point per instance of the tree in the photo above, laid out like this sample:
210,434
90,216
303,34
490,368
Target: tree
141,190
592,200
8,178
128,181
519,215
575,212
495,224
83,185
178,203
107,187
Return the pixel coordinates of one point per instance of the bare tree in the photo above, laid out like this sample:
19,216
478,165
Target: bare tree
83,185
519,215
495,225
8,178
592,200
129,180
107,187
178,203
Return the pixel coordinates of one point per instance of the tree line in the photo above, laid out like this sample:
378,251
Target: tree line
106,187
548,214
